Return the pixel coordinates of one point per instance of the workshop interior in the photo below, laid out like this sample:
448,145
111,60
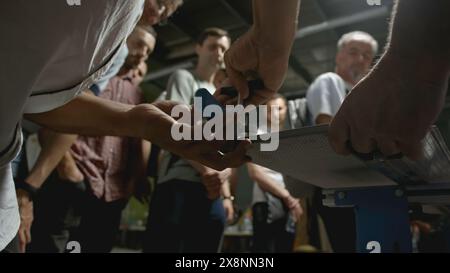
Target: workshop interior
139,191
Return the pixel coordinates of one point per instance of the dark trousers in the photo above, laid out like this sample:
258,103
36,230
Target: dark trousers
57,212
183,220
99,224
66,211
270,237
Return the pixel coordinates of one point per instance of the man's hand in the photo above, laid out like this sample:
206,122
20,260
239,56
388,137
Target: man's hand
247,58
263,52
91,116
26,219
421,227
213,181
203,151
392,109
68,170
294,207
229,210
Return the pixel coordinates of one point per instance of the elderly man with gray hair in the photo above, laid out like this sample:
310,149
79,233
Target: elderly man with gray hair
356,51
355,54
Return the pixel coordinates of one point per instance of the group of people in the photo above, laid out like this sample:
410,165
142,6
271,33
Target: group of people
79,74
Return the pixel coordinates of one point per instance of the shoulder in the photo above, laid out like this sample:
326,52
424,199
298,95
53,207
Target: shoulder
326,82
182,74
329,77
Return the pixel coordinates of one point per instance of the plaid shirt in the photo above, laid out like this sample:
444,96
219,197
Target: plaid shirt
108,163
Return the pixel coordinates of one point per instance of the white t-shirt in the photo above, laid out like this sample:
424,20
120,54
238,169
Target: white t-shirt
50,52
326,94
258,194
181,88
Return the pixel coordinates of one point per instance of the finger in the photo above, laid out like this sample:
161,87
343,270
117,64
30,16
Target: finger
220,89
230,216
220,161
212,160
28,235
338,135
226,100
413,149
22,241
214,144
289,202
233,101
260,97
238,157
238,81
387,147
294,203
362,143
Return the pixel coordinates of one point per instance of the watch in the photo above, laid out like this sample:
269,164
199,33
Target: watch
231,197
31,190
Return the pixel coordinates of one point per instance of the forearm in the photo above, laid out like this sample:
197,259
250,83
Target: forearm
420,36
54,146
265,183
202,169
91,116
269,186
275,24
85,115
226,191
146,149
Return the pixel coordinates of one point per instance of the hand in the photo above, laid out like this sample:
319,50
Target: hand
247,57
68,169
421,227
294,207
213,181
392,109
26,219
229,210
157,126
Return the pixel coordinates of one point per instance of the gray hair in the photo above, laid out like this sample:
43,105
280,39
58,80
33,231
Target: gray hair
360,36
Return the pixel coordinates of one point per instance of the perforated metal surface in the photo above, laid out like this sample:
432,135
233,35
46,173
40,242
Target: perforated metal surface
305,154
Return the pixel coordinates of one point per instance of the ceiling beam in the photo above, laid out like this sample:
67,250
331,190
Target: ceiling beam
343,21
237,11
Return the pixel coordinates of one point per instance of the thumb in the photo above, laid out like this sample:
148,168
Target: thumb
239,82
